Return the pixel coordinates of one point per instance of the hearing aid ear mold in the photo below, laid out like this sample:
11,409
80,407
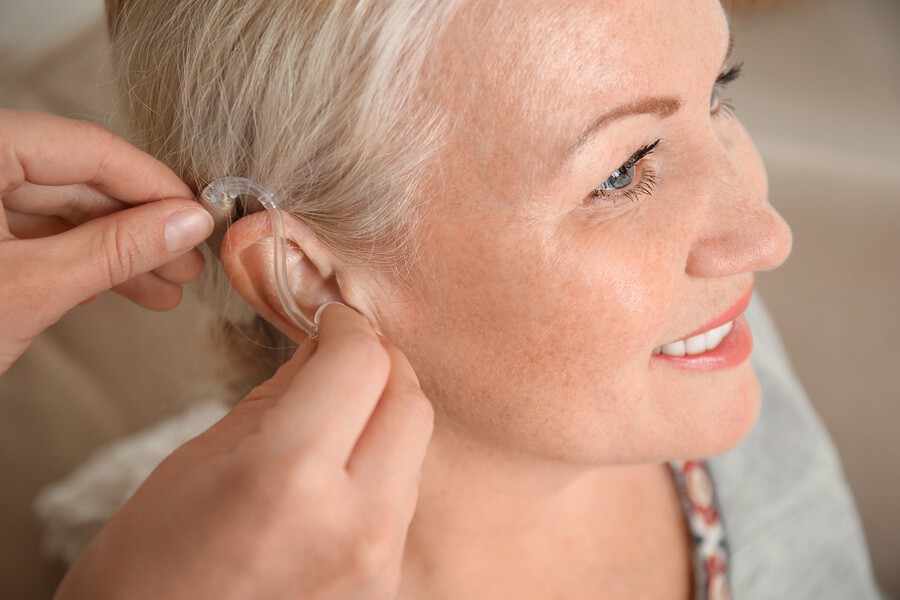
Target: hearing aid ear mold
219,197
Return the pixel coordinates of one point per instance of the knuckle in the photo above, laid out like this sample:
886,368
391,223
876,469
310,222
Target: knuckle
297,473
311,480
373,548
299,482
417,404
266,391
121,250
105,141
12,174
279,482
95,130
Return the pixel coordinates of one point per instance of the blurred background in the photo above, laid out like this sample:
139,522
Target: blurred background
821,97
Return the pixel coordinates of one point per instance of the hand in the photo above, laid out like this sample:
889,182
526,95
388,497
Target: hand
306,489
77,217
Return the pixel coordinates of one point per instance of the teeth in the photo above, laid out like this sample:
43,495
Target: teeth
712,338
675,348
698,344
726,328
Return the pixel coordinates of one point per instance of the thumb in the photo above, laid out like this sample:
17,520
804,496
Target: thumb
281,380
110,250
243,417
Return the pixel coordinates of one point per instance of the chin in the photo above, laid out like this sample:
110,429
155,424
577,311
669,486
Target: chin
729,415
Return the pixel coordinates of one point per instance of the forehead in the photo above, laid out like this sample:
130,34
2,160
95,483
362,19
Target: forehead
520,77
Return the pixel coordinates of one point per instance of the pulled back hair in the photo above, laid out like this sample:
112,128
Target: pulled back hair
318,100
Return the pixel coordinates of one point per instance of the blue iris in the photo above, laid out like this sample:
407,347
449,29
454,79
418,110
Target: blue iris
620,178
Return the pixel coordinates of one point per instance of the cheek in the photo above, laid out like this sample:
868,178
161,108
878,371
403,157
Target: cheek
589,302
539,347
616,289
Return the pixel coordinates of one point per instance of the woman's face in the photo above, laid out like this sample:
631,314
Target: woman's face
547,279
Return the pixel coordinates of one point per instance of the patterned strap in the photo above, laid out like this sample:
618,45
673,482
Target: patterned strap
698,500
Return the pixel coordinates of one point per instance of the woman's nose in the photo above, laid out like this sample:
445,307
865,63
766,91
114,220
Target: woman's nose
742,232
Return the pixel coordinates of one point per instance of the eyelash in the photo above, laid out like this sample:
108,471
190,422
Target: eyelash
722,81
646,184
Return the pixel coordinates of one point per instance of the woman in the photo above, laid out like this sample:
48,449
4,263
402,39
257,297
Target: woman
547,208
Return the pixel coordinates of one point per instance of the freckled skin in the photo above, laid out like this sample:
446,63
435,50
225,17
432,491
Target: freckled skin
532,316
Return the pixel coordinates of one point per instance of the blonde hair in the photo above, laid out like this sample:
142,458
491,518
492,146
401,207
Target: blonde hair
318,100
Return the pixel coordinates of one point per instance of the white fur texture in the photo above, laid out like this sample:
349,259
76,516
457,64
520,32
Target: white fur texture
75,509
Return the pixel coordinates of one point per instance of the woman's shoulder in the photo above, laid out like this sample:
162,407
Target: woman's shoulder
791,522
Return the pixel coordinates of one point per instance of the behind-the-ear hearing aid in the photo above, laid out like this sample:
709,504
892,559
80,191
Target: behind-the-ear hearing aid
220,197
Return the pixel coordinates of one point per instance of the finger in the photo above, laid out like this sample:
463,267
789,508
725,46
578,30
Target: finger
243,418
49,150
108,251
27,226
270,391
328,402
74,203
151,292
391,449
184,269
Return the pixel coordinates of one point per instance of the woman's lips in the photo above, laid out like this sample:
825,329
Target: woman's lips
734,349
725,341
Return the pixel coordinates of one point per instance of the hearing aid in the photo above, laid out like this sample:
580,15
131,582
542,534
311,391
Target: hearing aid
220,198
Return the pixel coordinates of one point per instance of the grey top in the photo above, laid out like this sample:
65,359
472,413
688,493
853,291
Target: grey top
792,526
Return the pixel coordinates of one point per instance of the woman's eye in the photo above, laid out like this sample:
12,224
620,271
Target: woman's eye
716,105
621,182
620,178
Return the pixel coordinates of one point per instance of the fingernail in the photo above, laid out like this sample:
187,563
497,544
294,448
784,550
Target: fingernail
187,228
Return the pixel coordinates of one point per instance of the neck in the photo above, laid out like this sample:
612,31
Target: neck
479,506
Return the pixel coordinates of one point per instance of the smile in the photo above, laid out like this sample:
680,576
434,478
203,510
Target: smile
726,341
697,344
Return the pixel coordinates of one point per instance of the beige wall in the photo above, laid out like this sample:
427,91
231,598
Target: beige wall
821,97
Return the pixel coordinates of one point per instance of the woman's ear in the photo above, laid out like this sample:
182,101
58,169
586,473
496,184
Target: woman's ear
248,256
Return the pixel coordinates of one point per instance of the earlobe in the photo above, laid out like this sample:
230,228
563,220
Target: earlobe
248,256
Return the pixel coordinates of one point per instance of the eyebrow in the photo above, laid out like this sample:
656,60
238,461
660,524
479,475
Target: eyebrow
662,107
